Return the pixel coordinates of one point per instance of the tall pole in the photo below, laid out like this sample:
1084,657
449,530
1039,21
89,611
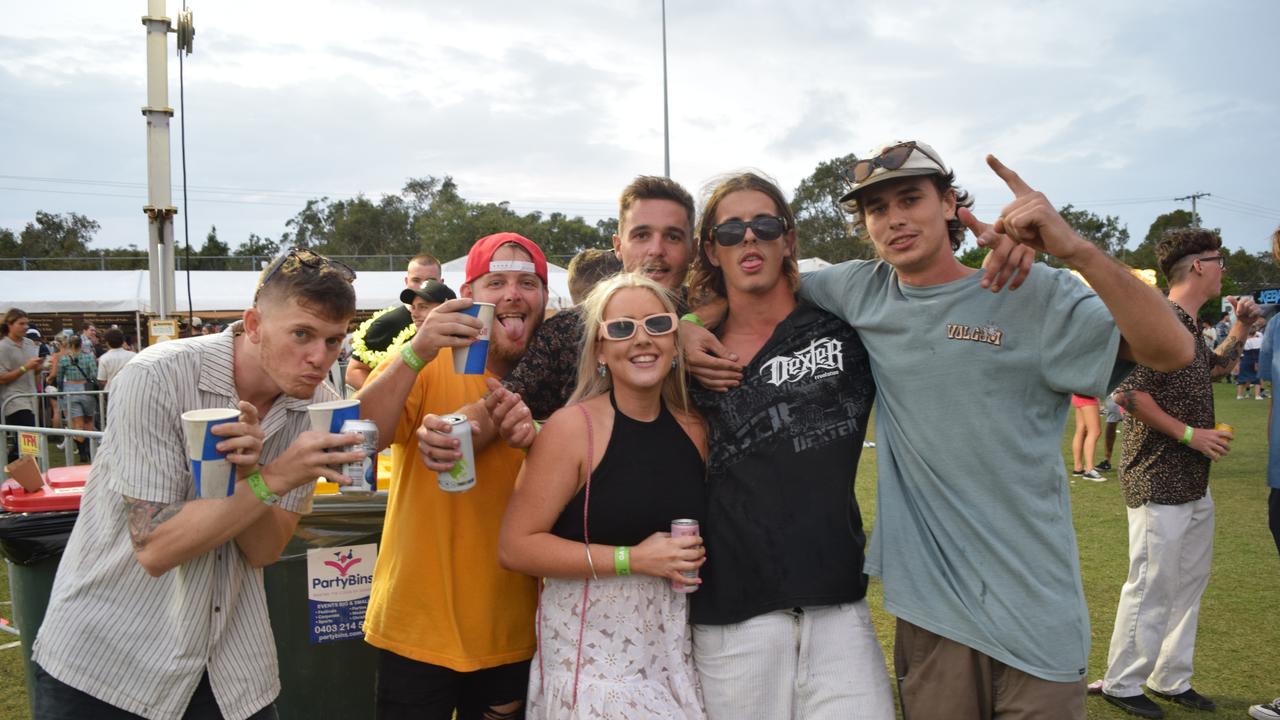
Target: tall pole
1195,217
159,207
666,125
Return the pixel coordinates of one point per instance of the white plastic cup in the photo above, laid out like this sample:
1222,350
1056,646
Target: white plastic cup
327,417
214,475
471,360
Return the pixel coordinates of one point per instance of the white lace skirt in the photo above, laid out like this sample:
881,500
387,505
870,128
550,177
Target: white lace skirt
637,654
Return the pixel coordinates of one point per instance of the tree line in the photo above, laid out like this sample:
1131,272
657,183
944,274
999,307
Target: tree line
429,215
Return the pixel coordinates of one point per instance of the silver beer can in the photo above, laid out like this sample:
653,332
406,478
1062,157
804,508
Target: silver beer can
462,476
684,527
364,474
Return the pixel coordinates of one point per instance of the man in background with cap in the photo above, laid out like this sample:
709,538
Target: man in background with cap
973,538
1169,441
390,326
454,629
422,300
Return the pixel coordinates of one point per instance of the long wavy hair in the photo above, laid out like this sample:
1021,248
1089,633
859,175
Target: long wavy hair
707,282
590,382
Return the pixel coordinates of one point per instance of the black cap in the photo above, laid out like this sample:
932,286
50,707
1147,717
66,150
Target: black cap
431,291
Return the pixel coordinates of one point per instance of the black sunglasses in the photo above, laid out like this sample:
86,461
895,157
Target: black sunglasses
1220,259
765,227
625,328
891,159
307,259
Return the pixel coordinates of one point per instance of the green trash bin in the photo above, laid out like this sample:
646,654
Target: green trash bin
333,679
32,544
318,680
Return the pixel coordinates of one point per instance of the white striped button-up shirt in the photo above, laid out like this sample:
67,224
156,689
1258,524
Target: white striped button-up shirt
142,643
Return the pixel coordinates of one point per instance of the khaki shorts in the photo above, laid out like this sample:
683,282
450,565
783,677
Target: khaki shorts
940,679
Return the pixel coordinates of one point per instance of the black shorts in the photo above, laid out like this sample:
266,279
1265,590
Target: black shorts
411,689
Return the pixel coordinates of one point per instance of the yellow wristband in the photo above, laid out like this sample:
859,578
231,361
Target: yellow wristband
1187,435
693,318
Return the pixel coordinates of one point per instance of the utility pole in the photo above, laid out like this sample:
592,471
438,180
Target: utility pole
666,126
1195,217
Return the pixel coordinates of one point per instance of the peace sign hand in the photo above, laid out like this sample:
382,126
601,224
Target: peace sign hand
1032,220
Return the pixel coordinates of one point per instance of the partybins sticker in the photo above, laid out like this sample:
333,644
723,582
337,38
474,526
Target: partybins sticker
338,584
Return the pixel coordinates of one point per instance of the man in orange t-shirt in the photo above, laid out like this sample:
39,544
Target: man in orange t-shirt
455,630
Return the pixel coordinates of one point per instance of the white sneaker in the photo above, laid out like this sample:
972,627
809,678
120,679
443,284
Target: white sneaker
1269,711
1092,475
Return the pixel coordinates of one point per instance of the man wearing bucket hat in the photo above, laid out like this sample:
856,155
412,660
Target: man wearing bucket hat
973,539
158,609
454,630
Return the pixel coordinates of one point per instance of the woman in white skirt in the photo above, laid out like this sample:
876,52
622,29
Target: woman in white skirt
591,513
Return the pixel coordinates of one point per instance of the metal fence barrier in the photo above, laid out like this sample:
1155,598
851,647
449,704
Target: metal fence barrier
44,432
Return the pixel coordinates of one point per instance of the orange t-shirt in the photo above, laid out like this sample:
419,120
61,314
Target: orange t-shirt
439,595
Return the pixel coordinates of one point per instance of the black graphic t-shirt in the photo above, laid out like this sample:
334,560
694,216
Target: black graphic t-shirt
783,528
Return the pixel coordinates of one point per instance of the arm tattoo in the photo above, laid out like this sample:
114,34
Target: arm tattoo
1127,399
145,516
1228,352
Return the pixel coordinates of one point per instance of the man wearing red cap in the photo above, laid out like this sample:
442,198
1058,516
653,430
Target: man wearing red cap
455,630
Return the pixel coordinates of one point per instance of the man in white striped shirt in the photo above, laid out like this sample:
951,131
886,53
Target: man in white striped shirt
158,609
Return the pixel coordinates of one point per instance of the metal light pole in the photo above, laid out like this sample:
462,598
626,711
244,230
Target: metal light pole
159,207
666,125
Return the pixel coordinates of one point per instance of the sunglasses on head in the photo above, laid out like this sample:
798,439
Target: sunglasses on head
765,227
891,158
625,328
307,259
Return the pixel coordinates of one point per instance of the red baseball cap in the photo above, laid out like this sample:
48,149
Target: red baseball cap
480,259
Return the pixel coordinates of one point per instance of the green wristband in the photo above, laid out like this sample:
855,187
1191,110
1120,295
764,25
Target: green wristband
693,318
622,561
1187,434
411,358
259,487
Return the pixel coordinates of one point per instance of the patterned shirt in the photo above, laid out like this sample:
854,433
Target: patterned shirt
142,643
77,369
548,372
1155,467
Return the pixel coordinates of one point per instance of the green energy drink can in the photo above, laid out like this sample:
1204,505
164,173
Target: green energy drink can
462,476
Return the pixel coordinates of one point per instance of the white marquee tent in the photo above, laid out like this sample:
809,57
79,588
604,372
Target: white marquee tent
51,291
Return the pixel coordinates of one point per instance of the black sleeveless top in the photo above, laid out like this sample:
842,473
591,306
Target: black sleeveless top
651,474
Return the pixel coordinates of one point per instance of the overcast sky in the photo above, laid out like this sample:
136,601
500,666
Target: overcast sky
1115,107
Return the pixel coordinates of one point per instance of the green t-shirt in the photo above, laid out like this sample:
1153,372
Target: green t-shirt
973,537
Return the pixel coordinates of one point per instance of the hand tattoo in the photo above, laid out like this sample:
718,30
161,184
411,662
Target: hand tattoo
1127,399
145,516
1228,352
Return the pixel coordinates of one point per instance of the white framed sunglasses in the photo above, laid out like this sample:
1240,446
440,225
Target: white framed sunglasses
625,328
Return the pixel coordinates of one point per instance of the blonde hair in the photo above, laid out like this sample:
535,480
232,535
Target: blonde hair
590,382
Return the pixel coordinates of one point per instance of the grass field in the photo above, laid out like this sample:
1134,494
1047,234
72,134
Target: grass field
1238,621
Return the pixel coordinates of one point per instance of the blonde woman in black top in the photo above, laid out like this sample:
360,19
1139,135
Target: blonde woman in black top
613,637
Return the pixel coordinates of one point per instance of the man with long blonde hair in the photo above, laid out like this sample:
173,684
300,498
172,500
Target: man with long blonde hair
781,624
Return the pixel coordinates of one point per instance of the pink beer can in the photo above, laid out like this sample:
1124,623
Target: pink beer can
684,527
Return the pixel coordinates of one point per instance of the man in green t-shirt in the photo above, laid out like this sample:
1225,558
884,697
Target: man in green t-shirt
973,539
